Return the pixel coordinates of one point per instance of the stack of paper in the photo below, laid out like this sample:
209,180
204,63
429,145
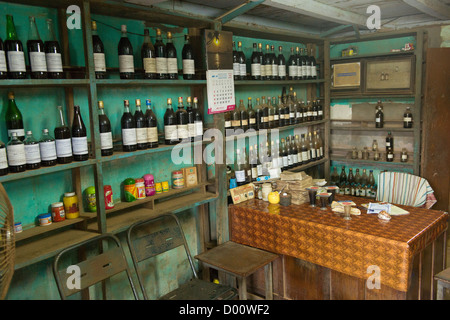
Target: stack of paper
378,207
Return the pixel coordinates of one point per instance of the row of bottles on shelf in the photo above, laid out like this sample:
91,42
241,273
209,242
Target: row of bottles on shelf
364,154
284,154
273,113
24,152
269,66
379,116
360,185
44,57
139,131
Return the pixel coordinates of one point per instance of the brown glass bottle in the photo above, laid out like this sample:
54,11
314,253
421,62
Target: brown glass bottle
79,137
36,52
53,54
106,143
63,140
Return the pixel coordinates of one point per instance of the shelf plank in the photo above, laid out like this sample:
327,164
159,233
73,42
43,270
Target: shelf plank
46,170
373,163
374,55
354,128
275,82
146,82
12,83
48,247
309,165
121,222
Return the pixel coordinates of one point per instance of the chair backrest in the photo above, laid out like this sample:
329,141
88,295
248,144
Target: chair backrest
104,258
155,236
404,188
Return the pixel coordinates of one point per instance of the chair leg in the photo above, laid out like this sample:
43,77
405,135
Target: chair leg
268,273
242,282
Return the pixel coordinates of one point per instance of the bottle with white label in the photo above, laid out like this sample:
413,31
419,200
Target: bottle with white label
390,141
198,121
161,56
13,118
126,59
3,160
99,53
152,126
172,62
36,52
79,137
255,63
148,57
407,118
188,59
129,141
170,125
16,154
182,122
281,64
14,51
3,67
32,152
63,140
47,147
106,142
53,54
190,117
141,127
404,155
236,65
242,62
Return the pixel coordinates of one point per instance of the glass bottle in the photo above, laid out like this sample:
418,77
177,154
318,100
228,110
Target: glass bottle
161,56
375,145
274,63
259,115
284,156
379,115
309,111
32,152
291,111
334,177
152,126
390,141
170,125
188,59
299,149
63,140
300,67
190,117
128,126
182,121
172,62
198,121
318,139
53,54
36,52
106,142
3,67
79,137
242,62
292,66
243,114
251,115
268,63
255,63
271,113
314,110
47,147
125,52
364,178
235,119
148,57
240,169
99,53
351,177
15,55
407,118
261,60
236,64
276,114
354,153
265,108
3,160
389,154
305,150
281,64
281,114
16,154
371,180
313,65
141,126
312,150
319,110
296,160
404,155
342,178
13,118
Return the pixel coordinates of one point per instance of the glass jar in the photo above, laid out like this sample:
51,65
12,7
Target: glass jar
266,189
404,155
354,153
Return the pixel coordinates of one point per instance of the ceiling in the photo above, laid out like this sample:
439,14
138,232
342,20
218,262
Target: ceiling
310,18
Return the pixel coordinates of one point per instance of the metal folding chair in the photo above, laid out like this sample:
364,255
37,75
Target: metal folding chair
152,237
104,258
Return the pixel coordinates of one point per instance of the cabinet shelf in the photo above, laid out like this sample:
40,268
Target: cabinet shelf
374,55
146,82
275,82
373,163
309,165
10,83
371,129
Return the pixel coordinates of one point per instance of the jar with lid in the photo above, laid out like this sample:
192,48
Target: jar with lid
71,207
108,195
140,188
365,154
149,183
58,213
91,199
354,153
266,189
404,155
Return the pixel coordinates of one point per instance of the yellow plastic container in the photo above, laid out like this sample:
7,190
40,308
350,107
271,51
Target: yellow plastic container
71,207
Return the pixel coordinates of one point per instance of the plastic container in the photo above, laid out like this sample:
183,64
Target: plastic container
129,190
108,195
58,213
149,183
177,179
158,187
18,227
140,189
91,200
71,207
45,219
165,186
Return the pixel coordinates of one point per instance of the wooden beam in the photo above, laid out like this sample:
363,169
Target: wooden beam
239,10
319,10
433,8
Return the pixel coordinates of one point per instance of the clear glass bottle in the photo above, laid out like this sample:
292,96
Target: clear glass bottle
47,147
379,115
16,154
32,152
407,118
53,54
404,155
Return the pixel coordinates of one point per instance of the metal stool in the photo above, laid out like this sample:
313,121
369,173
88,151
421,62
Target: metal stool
241,261
443,281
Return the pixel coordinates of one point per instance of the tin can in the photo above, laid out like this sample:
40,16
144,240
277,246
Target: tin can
71,208
108,194
158,187
140,188
129,189
149,185
91,200
58,213
45,219
177,179
165,186
18,227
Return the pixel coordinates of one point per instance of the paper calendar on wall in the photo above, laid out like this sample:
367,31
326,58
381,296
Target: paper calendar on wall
220,86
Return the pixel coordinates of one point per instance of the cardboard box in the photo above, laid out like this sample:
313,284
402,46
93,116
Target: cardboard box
190,176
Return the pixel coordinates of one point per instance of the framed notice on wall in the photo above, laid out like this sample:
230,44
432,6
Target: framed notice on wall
220,86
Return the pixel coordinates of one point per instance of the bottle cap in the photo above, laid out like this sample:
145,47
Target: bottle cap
169,35
195,100
123,28
158,32
43,130
94,25
180,99
100,104
69,194
169,100
10,95
188,99
138,102
126,103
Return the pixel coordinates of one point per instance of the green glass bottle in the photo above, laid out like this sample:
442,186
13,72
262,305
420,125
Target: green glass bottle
13,117
14,51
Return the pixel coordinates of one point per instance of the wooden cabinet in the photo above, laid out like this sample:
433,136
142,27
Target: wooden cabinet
390,74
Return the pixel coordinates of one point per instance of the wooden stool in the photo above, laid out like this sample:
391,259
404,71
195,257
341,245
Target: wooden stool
443,281
240,261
